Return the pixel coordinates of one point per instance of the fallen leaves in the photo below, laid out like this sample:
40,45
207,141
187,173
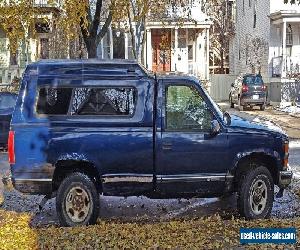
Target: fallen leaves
15,232
202,233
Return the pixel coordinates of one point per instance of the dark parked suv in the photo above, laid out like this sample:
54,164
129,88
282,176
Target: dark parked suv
84,128
7,105
248,90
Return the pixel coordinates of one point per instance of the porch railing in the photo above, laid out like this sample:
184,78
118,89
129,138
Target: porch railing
289,66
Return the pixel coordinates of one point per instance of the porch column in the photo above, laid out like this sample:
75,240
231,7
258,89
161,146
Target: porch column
283,70
126,44
198,62
149,50
102,48
111,43
207,54
175,48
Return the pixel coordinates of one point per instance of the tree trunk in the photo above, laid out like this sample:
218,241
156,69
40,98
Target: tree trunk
91,47
143,48
222,61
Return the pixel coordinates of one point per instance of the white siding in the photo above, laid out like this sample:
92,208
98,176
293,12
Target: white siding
245,29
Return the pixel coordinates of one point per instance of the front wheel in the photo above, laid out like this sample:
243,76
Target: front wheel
256,194
77,201
231,102
241,107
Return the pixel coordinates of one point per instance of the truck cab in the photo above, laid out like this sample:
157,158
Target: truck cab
90,127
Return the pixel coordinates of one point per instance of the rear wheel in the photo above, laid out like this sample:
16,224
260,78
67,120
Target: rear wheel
262,107
77,201
256,194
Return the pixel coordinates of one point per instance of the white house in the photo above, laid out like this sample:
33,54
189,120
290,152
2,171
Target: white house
267,40
13,64
177,43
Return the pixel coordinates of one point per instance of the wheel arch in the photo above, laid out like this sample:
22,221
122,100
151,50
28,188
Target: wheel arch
65,167
253,160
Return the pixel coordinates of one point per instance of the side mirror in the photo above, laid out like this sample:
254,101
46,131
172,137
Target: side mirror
227,118
215,127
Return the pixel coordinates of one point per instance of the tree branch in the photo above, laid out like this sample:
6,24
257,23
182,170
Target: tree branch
104,28
96,21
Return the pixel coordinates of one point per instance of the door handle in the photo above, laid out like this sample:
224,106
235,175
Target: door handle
167,146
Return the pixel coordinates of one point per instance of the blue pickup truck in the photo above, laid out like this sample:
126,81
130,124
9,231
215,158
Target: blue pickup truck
90,127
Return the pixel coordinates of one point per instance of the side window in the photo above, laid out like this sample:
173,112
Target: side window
186,110
104,101
53,101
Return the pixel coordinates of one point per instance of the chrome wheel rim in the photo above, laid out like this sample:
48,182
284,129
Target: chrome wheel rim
78,204
258,196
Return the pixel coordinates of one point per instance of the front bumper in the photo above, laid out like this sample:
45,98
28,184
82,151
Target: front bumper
285,178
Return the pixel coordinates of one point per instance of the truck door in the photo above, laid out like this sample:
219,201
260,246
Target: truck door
189,159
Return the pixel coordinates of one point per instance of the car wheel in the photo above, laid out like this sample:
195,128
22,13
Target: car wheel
241,107
263,107
230,101
256,194
77,201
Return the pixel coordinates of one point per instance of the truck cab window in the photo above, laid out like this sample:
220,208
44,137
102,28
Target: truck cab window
186,110
104,101
53,101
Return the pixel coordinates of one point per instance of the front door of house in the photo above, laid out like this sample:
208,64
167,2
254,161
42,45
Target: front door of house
161,50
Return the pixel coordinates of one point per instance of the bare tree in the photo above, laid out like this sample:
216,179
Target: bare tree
222,29
255,50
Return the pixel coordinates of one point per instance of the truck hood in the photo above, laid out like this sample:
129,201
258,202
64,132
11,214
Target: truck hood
257,124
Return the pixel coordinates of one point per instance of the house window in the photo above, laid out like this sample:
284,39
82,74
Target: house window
254,14
181,38
119,44
190,52
130,49
106,45
44,48
289,40
13,60
289,36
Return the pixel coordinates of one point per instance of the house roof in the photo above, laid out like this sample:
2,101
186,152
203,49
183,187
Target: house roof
285,14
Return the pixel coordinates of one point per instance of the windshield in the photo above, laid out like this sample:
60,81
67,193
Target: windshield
253,80
7,101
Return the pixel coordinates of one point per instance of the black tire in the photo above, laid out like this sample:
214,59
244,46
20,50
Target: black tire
262,107
241,107
87,199
247,200
231,103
